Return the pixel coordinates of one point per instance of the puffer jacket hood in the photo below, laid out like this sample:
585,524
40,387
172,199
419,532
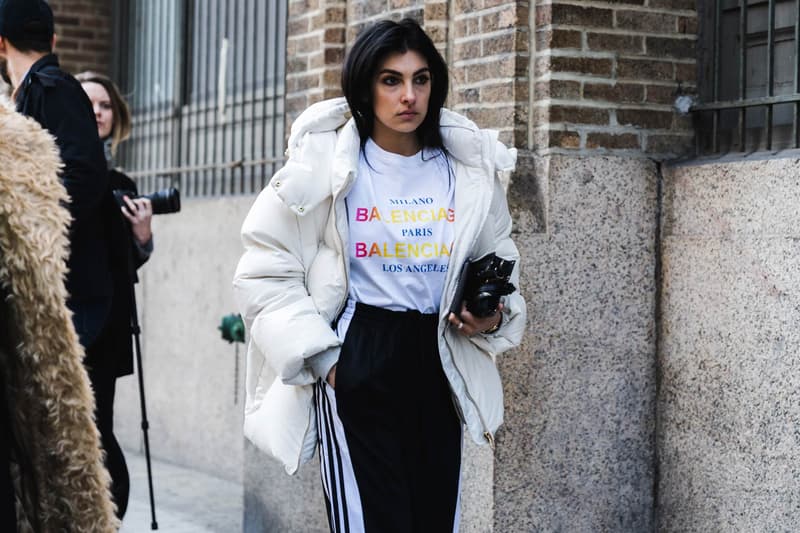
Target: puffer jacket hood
59,463
458,133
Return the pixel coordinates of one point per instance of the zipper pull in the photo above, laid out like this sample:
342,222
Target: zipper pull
490,439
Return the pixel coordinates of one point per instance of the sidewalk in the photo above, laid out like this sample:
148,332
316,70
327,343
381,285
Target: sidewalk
186,501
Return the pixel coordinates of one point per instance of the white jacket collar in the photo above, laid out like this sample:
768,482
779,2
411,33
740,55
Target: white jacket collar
462,138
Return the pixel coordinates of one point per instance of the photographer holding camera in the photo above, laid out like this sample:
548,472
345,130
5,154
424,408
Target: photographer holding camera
131,243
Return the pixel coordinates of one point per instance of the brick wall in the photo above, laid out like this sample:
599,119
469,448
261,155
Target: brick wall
361,13
607,74
83,34
314,53
604,76
489,61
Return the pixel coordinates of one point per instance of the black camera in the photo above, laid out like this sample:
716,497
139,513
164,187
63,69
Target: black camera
482,283
164,201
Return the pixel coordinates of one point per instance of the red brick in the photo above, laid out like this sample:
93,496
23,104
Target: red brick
544,15
648,22
467,49
558,38
669,47
467,27
332,77
497,93
298,26
564,139
645,118
468,6
619,92
435,11
306,43
297,64
587,17
493,117
686,72
581,65
628,44
334,55
618,141
578,115
66,44
302,82
500,20
499,44
471,96
498,68
644,69
661,94
561,89
334,35
335,15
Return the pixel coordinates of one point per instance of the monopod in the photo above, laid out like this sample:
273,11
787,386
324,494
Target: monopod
136,330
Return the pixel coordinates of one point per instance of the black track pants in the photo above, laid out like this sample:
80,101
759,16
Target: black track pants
390,439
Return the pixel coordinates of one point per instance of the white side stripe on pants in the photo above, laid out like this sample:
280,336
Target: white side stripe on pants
336,468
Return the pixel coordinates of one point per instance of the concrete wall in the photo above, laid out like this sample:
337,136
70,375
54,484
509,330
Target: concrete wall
728,440
194,409
576,450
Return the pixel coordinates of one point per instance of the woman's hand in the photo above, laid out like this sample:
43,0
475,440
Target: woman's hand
468,324
139,213
332,377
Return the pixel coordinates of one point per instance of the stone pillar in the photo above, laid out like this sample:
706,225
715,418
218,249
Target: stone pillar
728,439
576,450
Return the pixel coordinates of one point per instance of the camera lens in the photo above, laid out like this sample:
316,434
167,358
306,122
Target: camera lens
483,304
165,201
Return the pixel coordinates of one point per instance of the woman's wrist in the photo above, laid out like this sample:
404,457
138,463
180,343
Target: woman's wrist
495,327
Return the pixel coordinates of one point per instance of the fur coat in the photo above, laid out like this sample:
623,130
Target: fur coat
63,485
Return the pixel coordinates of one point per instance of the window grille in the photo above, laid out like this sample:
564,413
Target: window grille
205,82
750,89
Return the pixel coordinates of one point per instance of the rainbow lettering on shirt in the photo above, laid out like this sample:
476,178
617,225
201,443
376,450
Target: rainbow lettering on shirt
404,216
402,250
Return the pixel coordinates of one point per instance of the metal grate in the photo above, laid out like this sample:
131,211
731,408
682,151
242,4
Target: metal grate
749,62
205,82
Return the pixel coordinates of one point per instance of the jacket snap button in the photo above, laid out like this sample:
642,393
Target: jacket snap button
301,209
277,184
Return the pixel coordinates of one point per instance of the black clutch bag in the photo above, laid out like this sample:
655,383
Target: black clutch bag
481,284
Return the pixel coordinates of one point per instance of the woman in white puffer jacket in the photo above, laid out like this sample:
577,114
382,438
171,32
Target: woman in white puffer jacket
352,258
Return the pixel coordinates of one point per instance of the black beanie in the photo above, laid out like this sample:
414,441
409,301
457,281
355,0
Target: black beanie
15,15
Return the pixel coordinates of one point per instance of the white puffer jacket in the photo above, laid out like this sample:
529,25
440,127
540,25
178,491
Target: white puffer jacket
291,282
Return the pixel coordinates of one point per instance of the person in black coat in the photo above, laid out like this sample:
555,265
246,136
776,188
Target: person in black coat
56,101
131,242
102,260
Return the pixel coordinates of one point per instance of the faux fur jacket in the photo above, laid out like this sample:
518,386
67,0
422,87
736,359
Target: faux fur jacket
63,485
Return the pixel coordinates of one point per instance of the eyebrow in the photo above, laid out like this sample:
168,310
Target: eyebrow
396,73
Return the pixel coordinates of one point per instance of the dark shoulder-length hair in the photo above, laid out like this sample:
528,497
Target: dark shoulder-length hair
370,49
121,124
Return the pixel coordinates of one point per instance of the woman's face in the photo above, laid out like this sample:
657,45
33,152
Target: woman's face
101,103
400,93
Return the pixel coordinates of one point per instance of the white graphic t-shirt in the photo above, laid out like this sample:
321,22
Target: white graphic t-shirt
400,213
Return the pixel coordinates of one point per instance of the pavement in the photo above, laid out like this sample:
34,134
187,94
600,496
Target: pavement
187,501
